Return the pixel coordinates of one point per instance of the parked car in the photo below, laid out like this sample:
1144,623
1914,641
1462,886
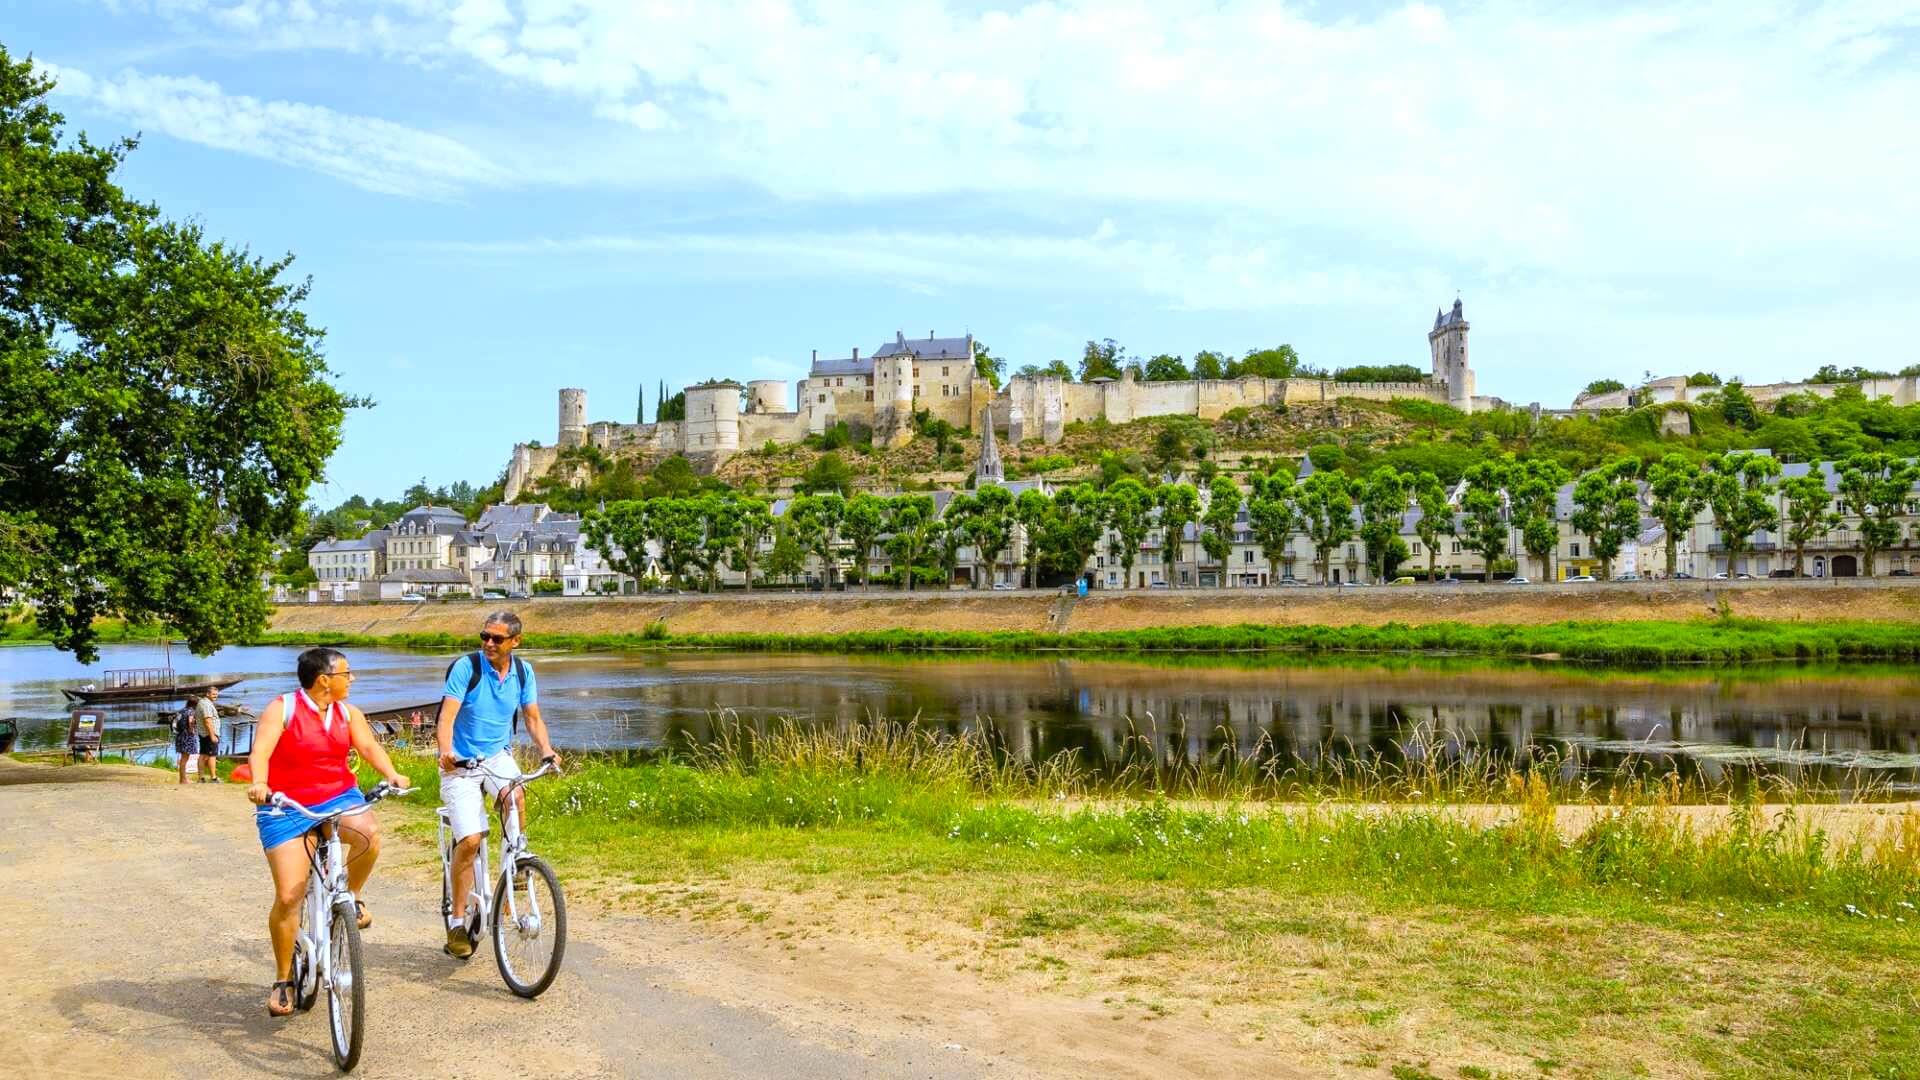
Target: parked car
1899,573
1518,580
1158,585
1580,579
1722,576
413,598
1003,586
1628,576
1448,581
1782,573
1294,583
1682,575
1401,581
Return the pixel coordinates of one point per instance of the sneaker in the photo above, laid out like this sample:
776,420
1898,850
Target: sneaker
459,945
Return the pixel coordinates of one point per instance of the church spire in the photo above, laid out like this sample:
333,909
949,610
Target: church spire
988,469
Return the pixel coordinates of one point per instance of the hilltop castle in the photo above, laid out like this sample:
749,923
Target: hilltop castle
939,376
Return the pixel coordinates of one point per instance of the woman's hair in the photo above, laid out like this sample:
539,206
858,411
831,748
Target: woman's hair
314,663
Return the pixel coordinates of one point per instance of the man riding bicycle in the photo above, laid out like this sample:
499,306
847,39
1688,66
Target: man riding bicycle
483,694
300,750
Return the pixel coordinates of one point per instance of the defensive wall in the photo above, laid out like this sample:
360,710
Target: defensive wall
1901,390
855,610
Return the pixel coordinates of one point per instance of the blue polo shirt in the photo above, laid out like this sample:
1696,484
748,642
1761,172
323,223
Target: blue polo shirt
485,723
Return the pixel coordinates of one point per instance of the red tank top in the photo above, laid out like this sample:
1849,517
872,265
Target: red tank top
309,763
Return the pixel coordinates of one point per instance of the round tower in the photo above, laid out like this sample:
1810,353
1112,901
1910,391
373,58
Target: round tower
573,417
767,396
713,417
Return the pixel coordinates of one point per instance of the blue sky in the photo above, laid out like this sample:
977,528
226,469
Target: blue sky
497,198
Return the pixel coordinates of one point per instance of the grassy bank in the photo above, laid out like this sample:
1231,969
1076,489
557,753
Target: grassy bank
1412,937
18,628
1722,639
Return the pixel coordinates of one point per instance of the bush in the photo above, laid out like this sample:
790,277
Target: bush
548,588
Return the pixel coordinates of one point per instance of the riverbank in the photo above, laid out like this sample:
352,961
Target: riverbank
1525,939
1698,638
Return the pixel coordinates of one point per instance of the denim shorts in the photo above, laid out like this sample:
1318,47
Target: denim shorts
278,826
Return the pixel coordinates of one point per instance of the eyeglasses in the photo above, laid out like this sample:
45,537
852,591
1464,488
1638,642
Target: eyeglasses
348,674
495,639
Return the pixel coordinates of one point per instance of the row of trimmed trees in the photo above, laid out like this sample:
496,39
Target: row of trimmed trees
1506,506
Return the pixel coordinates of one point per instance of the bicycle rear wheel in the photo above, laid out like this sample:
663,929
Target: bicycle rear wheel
529,927
346,990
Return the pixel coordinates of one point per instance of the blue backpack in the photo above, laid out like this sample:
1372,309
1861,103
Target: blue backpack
473,680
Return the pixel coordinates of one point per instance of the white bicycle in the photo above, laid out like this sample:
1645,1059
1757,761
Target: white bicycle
326,951
526,910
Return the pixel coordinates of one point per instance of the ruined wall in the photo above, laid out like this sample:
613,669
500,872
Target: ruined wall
782,428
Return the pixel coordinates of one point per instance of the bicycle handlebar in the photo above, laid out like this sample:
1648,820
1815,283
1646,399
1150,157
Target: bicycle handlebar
547,767
381,790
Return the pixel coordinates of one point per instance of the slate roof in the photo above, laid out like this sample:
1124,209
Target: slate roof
927,348
332,546
846,365
437,576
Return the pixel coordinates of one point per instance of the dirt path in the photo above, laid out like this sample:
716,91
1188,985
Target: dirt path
133,914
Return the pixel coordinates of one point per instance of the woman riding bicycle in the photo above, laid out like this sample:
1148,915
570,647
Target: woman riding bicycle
300,750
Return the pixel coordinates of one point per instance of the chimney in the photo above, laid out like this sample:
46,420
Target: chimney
929,335
899,337
856,353
816,358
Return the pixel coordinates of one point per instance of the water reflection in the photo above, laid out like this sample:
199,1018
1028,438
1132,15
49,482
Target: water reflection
1816,724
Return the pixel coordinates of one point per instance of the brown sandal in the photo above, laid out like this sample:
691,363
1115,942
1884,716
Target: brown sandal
277,993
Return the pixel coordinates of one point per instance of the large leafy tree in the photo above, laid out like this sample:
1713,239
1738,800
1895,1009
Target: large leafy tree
1101,359
1533,496
166,402
1809,515
1436,515
1221,520
1129,517
1179,507
1270,512
754,524
1676,492
1739,490
1075,527
989,525
1325,502
866,519
1606,507
1488,528
816,523
1383,499
1032,511
1876,488
911,524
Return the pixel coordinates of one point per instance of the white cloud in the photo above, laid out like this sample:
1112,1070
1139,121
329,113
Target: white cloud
364,151
1210,273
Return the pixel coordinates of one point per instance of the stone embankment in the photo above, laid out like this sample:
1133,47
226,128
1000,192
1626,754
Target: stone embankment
1891,600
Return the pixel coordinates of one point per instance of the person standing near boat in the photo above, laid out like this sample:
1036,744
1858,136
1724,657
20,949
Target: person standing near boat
206,716
186,745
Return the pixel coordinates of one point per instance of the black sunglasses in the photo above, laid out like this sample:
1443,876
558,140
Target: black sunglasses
495,639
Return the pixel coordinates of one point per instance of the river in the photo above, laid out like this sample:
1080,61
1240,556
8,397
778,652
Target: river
1851,726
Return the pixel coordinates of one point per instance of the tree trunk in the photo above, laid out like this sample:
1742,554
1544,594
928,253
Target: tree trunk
1430,558
1673,553
1799,560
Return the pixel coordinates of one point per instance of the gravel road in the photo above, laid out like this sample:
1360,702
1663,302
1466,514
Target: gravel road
135,945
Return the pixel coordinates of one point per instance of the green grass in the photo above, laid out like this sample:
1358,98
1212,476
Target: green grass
1707,640
1746,945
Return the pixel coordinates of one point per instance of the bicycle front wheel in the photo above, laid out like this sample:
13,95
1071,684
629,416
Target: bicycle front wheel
346,990
529,927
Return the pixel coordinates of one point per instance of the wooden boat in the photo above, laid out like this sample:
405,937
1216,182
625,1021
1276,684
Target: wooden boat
144,684
405,720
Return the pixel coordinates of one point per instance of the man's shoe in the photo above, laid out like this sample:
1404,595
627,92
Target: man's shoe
459,946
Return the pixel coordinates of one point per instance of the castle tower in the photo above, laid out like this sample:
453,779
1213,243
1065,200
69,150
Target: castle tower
988,469
896,427
573,417
1449,342
713,417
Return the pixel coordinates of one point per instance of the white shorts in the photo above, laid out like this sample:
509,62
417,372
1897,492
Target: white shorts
466,792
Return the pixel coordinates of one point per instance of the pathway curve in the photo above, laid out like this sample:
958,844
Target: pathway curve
133,912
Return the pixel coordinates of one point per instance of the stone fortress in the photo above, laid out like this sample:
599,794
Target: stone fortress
884,389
